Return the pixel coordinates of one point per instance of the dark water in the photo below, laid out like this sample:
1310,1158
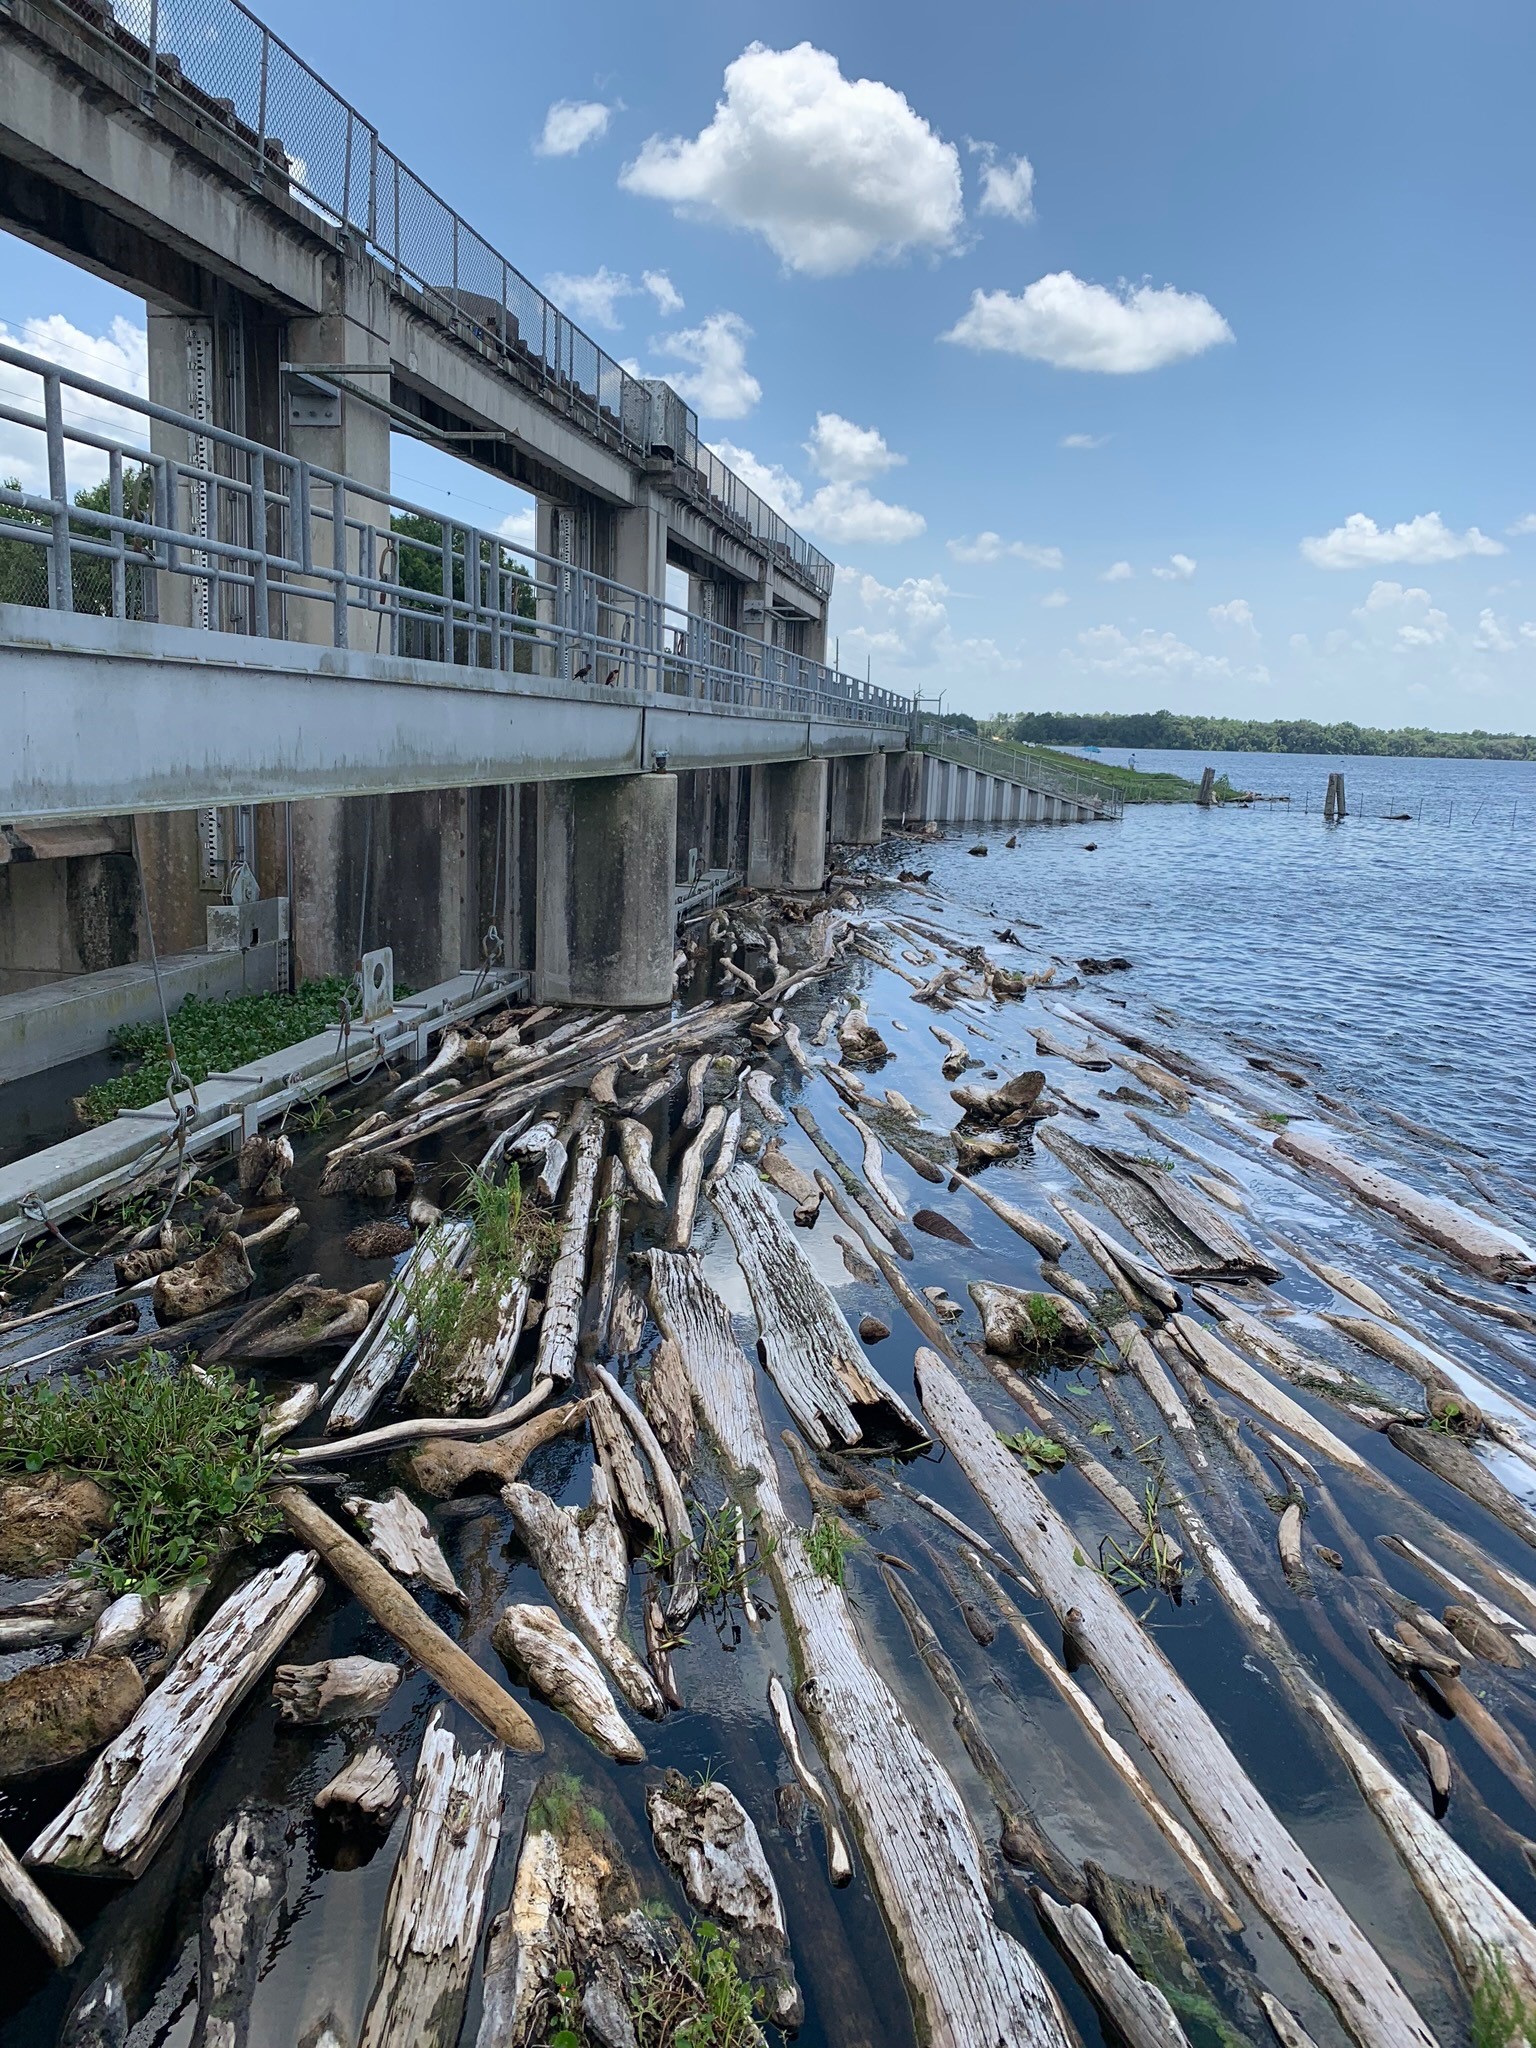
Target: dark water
1237,929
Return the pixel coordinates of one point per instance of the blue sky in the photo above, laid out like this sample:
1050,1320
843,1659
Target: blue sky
1233,412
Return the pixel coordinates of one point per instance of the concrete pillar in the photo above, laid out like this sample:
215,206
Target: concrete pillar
787,844
606,924
858,800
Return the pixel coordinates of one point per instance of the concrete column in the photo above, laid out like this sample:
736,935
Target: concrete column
787,843
605,928
858,800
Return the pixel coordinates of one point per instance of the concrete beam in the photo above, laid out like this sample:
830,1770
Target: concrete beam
607,860
858,800
787,842
111,717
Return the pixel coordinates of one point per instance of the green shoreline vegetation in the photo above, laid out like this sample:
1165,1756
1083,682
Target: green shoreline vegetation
1136,785
212,1038
1186,732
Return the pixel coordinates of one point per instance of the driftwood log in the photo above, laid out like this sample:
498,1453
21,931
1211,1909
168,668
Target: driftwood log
970,1982
437,1896
135,1790
340,1689
372,1362
247,1876
537,1645
560,1324
366,1790
1271,1866
400,1536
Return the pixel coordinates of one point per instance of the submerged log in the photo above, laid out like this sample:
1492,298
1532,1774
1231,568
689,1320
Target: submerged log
690,1179
1180,1735
1045,1240
366,1790
1483,1246
1451,1460
447,1466
1238,1377
759,1085
36,1911
970,1982
134,1793
1140,2014
304,1317
247,1876
437,1896
874,1166
55,1715
839,1862
880,1217
222,1273
553,1663
414,1630
808,1350
372,1362
634,1142
791,1180
581,1558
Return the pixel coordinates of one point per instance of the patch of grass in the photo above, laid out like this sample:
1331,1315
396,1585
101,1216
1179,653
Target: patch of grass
827,1546
697,1997
212,1037
1039,1453
451,1310
1158,1161
513,1237
1044,1317
314,1115
1274,1119
181,1455
1501,2017
1153,1560
726,1566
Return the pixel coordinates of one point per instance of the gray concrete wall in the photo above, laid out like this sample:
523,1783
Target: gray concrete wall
61,917
787,842
607,859
857,800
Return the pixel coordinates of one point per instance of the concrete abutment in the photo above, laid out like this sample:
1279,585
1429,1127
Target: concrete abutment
606,923
857,787
787,838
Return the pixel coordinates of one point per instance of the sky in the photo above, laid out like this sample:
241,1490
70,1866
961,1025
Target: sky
1121,353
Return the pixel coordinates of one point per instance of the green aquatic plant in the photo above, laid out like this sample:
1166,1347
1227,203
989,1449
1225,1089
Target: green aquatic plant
180,1454
1501,2016
1038,1453
212,1037
1044,1317
696,1997
1158,1161
827,1545
1274,1119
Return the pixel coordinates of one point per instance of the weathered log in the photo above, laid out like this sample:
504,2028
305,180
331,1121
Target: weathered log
881,1218
581,1558
608,1237
366,1790
450,1387
36,1911
1018,1324
668,1404
1050,1242
437,1896
707,1835
1015,1101
1164,1395
1178,1732
340,1689
679,1525
560,1324
634,1142
957,1055
1089,1057
368,1367
1238,1377
448,1466
690,1178
970,1982
839,1862
304,1317
791,1180
400,1536
416,1633
622,1467
55,1715
1468,1596
1483,1246
1305,1368
134,1792
759,1085
1501,1312
263,1164
1140,2014
1483,1930
730,1140
558,1667
222,1273
1450,1459
874,1166
64,1613
247,1876
808,1350
540,1146
1187,1237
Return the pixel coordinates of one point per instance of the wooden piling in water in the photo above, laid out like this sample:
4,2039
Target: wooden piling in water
1207,794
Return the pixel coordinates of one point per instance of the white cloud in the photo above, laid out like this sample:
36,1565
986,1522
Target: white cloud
1235,612
1076,326
843,510
1492,635
832,172
1117,572
1108,651
1053,599
520,527
848,514
570,125
119,357
907,625
1361,544
846,453
592,298
1083,440
1407,615
1525,524
719,382
1007,184
991,547
1177,569
668,298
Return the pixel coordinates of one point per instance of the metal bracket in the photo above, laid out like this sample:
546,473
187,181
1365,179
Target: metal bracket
312,402
378,983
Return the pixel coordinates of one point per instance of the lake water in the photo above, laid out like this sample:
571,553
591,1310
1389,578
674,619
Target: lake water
1401,955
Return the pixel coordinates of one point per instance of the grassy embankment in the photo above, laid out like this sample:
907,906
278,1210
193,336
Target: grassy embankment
1134,785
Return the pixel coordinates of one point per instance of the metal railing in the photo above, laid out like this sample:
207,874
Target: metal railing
1016,764
228,534
301,138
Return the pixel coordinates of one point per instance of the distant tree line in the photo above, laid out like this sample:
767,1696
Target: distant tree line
1185,731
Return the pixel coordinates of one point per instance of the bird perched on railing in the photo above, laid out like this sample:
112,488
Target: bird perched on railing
582,673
